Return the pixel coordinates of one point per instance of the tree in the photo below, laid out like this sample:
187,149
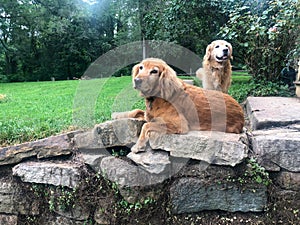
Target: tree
192,24
54,38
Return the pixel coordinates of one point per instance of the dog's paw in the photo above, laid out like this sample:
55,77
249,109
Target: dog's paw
138,148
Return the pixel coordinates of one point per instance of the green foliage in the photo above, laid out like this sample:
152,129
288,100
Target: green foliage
119,152
4,79
192,24
56,39
241,90
256,172
60,39
136,206
253,172
57,197
264,34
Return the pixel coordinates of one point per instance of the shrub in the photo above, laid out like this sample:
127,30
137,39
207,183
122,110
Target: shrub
4,79
254,87
265,34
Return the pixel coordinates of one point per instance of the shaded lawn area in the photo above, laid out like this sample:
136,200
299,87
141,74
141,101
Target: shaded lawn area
34,110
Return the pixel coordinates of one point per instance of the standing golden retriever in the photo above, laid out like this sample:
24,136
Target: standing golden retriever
216,71
173,106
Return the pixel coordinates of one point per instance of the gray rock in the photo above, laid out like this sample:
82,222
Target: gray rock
6,197
152,161
8,220
59,220
44,148
133,183
276,149
93,157
212,147
190,195
289,181
55,173
268,112
75,213
125,174
13,200
122,132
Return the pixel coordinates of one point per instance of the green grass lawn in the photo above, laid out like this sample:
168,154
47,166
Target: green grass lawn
33,110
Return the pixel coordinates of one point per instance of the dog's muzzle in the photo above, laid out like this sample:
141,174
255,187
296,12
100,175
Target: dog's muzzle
225,55
137,83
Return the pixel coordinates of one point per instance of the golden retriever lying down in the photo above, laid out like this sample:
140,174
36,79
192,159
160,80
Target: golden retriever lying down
216,71
175,107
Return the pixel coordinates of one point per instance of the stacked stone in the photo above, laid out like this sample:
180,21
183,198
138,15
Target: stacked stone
275,138
199,164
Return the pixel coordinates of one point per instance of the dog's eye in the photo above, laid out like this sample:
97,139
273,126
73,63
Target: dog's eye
226,46
141,67
154,71
217,46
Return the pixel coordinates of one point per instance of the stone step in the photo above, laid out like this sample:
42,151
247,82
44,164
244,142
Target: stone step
270,112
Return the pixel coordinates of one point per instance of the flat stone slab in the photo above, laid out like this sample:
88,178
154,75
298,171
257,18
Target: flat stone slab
121,132
55,173
268,112
212,147
277,149
189,195
44,148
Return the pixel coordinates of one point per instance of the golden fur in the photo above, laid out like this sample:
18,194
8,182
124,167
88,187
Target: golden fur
216,71
173,106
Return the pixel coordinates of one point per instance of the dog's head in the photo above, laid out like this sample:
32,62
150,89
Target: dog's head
218,51
153,77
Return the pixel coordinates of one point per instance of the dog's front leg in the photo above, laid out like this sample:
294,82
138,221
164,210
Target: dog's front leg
140,145
157,126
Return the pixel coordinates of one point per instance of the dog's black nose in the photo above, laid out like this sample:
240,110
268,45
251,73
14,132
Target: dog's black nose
225,51
137,82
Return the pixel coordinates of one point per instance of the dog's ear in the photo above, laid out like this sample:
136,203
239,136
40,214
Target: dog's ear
208,52
169,83
135,70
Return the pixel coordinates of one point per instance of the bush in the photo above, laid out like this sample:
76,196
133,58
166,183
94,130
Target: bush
240,91
3,79
265,34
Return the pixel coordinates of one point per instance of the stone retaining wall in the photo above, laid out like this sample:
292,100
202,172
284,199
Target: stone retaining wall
199,171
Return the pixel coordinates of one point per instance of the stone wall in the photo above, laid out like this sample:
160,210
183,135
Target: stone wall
178,174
